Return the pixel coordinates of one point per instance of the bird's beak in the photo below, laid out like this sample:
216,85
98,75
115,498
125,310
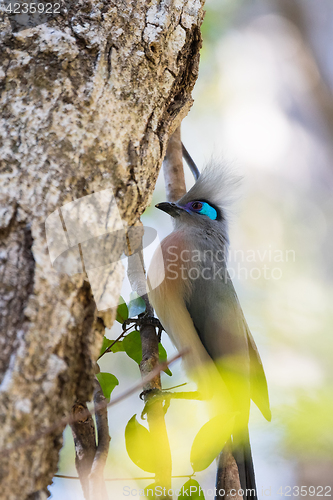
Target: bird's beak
170,208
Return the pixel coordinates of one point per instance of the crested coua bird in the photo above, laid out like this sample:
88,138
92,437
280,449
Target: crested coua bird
199,309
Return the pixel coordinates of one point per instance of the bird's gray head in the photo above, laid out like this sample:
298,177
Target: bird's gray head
205,205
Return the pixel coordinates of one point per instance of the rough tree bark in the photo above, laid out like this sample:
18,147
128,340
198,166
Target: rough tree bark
88,102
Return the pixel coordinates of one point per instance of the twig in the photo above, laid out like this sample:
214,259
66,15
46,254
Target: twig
173,168
227,477
150,359
165,395
85,413
83,430
194,395
190,162
165,399
108,349
97,488
175,386
142,478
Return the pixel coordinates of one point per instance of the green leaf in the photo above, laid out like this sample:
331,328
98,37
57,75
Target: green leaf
139,445
108,383
191,489
132,346
136,306
105,344
162,355
118,346
122,311
210,440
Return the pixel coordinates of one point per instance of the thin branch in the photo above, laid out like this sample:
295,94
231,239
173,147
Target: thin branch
166,396
175,386
150,359
85,413
193,395
227,477
83,430
97,486
142,478
190,162
108,349
90,458
173,170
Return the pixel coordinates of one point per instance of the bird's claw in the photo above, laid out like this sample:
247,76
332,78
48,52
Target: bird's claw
142,320
153,395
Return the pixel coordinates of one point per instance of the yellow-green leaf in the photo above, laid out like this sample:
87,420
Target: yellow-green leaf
150,491
210,440
139,445
191,489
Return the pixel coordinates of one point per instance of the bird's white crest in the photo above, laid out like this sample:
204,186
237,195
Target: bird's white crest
217,184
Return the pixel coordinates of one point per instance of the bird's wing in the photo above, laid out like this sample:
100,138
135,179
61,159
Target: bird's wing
219,324
223,331
258,382
259,389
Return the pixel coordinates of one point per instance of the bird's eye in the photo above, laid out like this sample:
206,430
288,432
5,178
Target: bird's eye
197,205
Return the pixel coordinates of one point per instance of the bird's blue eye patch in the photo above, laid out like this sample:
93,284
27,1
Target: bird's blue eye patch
203,208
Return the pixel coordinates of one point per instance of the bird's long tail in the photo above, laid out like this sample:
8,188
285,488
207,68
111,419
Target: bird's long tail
241,450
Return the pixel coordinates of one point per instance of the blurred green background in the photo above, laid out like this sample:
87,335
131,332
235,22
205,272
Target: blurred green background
263,104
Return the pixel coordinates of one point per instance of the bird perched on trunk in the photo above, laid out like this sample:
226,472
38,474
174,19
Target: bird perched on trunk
199,309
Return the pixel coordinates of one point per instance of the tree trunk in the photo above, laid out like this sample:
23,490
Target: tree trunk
88,102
